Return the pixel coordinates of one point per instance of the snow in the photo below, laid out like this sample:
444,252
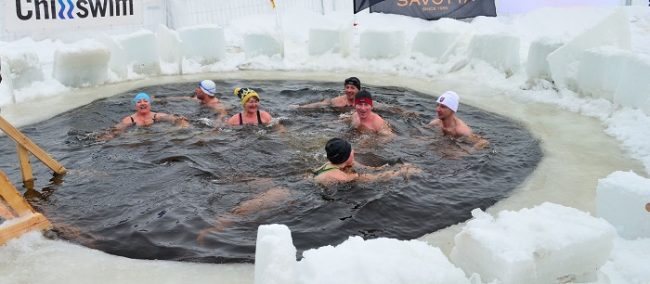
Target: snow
376,44
205,43
81,64
585,72
537,245
379,260
621,200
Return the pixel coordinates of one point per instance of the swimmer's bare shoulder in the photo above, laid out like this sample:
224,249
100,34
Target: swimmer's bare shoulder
266,117
436,122
340,101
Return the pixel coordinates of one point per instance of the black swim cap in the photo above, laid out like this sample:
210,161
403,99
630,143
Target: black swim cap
338,150
354,81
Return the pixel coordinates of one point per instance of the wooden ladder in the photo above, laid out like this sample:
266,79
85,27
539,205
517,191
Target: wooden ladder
19,216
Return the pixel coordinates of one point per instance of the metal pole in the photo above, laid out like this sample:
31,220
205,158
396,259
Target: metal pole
322,7
628,2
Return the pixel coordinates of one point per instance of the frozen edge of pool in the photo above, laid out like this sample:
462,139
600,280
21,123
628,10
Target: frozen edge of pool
567,174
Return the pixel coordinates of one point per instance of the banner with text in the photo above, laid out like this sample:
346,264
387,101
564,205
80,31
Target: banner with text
30,15
436,9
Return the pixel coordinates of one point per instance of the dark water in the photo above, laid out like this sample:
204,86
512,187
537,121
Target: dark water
150,192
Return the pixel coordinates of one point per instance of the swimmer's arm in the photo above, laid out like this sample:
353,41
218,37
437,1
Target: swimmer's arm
116,130
180,98
383,176
477,141
173,119
336,177
358,165
385,130
221,112
404,170
472,143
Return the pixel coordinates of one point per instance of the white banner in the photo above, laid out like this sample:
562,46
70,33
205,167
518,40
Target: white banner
43,15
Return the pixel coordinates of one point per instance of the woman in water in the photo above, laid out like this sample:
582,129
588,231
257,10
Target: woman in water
143,117
341,164
251,115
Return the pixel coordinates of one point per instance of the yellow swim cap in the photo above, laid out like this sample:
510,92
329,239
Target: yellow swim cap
245,94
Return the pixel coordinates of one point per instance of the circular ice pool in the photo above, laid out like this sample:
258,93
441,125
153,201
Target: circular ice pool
150,192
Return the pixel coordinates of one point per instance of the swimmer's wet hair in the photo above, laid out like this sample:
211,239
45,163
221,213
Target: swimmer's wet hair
354,81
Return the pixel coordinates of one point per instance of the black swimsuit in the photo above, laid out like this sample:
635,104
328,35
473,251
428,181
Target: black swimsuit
135,124
259,119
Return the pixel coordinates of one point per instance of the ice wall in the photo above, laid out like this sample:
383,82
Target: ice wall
612,31
21,67
537,66
379,44
623,199
203,44
329,40
82,64
499,50
434,44
141,52
354,261
549,243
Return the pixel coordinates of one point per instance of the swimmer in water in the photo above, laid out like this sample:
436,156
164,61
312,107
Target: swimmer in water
452,126
251,115
143,117
365,119
206,93
272,197
341,164
351,85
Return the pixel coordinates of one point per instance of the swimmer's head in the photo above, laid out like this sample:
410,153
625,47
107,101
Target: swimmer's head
449,99
363,97
245,94
208,87
141,96
338,150
354,81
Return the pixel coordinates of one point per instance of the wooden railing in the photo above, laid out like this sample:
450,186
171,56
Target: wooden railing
19,216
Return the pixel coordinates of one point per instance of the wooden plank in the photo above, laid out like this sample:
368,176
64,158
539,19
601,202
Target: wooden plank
5,211
39,153
13,197
25,165
34,222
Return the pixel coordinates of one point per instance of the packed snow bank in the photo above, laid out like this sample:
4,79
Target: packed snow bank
623,199
82,64
354,261
546,244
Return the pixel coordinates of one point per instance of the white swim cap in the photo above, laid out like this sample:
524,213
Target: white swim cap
449,99
208,87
